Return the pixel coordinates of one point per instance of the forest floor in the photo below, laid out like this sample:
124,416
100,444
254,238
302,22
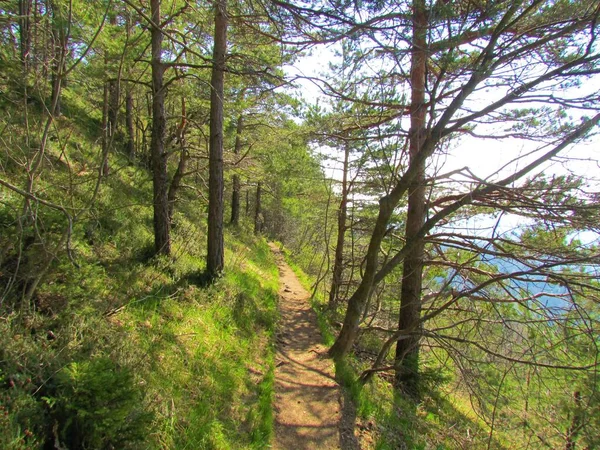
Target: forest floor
311,410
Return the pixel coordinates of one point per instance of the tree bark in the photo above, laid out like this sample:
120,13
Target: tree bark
183,159
407,350
336,279
104,169
257,210
25,32
247,203
176,181
162,225
59,54
129,105
358,300
575,423
130,145
114,95
215,255
235,195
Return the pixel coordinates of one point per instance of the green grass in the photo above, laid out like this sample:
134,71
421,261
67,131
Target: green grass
205,359
199,362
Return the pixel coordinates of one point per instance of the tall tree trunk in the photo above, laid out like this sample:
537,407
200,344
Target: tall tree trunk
130,145
258,219
59,55
247,203
129,106
387,204
336,279
407,350
25,32
114,96
235,195
575,427
176,181
215,255
162,225
105,126
183,159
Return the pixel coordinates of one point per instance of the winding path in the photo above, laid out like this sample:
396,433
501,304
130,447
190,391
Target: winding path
309,406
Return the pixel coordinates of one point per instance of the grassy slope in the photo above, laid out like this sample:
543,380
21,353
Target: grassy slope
207,357
195,363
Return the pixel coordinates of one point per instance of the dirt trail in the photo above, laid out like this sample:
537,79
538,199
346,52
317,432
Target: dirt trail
309,410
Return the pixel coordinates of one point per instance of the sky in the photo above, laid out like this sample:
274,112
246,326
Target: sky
483,157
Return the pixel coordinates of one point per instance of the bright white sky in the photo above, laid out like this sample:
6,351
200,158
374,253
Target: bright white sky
483,157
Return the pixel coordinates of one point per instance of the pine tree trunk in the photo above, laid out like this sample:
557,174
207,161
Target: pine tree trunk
257,210
407,350
130,149
235,195
215,254
162,225
575,423
25,32
247,203
336,279
358,300
130,146
183,159
104,169
59,55
176,181
114,95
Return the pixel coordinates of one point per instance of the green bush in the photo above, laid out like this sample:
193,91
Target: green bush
98,406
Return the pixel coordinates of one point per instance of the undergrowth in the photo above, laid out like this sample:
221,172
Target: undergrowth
120,350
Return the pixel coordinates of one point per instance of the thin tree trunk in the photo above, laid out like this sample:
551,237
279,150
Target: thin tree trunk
114,95
336,279
162,225
104,169
183,159
407,350
59,53
129,106
258,219
357,301
36,163
235,195
215,255
247,203
575,423
25,32
130,146
176,181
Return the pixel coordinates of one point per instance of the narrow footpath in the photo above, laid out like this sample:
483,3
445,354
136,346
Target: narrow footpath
309,410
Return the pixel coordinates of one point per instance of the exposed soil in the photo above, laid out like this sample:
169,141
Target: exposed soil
310,410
